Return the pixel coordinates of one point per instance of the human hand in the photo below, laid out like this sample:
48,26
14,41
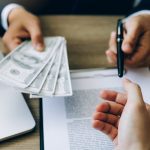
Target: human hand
136,45
23,25
125,118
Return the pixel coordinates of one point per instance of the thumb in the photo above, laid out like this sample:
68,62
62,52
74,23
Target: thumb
37,40
131,36
134,93
37,37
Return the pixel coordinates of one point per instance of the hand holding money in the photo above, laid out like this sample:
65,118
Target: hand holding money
38,73
23,25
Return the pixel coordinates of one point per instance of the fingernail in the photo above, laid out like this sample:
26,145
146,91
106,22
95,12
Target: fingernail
113,34
39,47
127,47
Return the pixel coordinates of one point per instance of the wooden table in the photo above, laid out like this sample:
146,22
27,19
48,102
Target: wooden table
87,39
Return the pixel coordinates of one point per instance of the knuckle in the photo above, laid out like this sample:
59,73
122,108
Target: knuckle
37,36
132,37
95,124
5,38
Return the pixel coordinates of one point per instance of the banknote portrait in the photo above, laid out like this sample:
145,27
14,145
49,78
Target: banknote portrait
25,61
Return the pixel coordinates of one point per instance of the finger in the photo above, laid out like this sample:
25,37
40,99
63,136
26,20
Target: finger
111,57
106,128
137,59
14,43
117,97
133,32
109,118
36,36
10,42
148,107
23,35
110,107
133,92
142,52
112,42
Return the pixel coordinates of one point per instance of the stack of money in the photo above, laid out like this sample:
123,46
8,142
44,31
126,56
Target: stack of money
41,74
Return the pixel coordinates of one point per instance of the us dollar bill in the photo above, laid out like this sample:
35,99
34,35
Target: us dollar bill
63,85
37,84
50,83
24,64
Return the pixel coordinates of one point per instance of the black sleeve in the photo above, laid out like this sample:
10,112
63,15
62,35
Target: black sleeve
144,5
34,6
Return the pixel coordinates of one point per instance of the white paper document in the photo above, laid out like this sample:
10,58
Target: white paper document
67,120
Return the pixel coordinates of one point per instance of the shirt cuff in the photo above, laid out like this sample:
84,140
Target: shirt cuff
5,13
142,12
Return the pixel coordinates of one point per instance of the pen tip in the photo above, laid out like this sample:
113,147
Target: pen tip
120,75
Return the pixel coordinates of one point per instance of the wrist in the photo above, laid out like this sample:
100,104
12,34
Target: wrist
5,13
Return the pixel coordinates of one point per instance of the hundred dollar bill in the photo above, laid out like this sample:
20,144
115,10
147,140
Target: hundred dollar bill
63,85
22,66
37,84
50,83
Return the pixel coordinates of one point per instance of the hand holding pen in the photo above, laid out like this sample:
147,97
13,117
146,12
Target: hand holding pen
136,45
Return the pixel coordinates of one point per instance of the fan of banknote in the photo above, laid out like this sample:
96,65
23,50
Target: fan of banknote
40,74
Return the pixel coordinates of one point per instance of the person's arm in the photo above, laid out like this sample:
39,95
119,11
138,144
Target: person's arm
136,44
21,24
34,6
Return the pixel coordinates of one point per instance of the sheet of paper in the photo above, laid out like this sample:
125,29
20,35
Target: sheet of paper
67,120
142,77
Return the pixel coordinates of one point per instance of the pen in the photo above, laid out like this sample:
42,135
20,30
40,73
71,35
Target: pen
120,54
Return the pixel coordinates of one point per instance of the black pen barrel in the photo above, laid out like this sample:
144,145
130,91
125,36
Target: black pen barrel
120,53
120,58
